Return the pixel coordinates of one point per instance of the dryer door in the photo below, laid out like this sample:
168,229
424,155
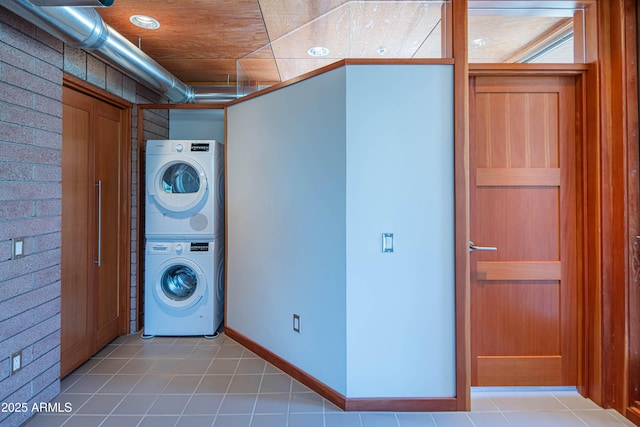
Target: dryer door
180,283
178,186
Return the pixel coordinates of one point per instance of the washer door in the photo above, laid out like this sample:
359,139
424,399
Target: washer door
178,185
180,283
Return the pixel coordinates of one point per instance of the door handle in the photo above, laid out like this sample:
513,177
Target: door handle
473,247
99,260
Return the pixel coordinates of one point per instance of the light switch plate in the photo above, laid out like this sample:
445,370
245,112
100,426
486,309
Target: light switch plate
387,242
296,323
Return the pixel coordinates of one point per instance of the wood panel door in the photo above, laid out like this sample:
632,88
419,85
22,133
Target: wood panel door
92,227
107,173
523,201
77,339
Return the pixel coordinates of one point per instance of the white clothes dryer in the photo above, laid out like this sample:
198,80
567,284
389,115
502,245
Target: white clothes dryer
184,289
181,187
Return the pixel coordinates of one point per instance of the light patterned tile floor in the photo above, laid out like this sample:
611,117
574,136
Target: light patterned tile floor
199,382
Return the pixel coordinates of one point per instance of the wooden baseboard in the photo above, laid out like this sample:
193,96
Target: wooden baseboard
297,374
633,414
400,404
346,404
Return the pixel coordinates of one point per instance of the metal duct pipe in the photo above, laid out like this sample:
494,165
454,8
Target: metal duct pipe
84,28
91,3
214,93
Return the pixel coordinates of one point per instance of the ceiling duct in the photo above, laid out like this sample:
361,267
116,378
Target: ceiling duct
92,3
83,27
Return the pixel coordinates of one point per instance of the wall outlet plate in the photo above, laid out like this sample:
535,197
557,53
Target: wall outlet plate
17,248
16,362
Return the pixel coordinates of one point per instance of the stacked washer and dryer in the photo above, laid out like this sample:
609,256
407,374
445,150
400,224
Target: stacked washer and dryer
184,255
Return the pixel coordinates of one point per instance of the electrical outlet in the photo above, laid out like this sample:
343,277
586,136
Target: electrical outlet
18,248
16,362
296,323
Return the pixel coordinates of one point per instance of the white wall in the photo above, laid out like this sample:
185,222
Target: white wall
400,305
196,124
317,171
286,202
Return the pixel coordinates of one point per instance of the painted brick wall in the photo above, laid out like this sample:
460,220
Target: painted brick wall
32,64
30,206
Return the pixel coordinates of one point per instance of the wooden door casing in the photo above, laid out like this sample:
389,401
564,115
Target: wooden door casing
523,200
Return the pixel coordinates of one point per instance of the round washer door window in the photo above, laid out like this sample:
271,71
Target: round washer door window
180,284
180,178
179,186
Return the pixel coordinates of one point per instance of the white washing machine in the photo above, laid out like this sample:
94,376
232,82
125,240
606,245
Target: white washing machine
182,185
184,288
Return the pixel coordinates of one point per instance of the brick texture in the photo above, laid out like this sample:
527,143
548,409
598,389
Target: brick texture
32,65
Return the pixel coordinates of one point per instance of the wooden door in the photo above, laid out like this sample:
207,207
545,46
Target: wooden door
108,131
523,197
92,227
77,339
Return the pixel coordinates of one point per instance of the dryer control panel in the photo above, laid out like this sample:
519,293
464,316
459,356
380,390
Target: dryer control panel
200,147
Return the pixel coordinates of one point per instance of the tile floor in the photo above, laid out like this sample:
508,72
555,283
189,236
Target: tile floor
194,382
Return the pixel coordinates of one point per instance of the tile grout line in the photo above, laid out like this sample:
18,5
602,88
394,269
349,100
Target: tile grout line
199,383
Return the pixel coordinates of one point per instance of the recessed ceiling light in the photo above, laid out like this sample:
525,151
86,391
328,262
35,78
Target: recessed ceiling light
318,51
144,21
478,43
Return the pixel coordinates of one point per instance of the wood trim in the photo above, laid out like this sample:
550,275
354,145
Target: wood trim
478,69
297,374
579,37
82,86
633,414
541,177
125,187
140,243
519,270
547,370
443,404
591,381
614,209
356,404
461,183
534,83
591,33
526,4
125,214
633,199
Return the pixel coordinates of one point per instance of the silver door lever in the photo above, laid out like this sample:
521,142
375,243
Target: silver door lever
473,247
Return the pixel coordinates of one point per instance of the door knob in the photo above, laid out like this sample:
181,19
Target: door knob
473,247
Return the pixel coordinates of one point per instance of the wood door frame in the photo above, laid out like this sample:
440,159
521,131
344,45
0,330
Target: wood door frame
580,73
617,202
125,187
565,84
632,15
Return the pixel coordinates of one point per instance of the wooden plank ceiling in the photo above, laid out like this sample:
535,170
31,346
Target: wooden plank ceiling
201,41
